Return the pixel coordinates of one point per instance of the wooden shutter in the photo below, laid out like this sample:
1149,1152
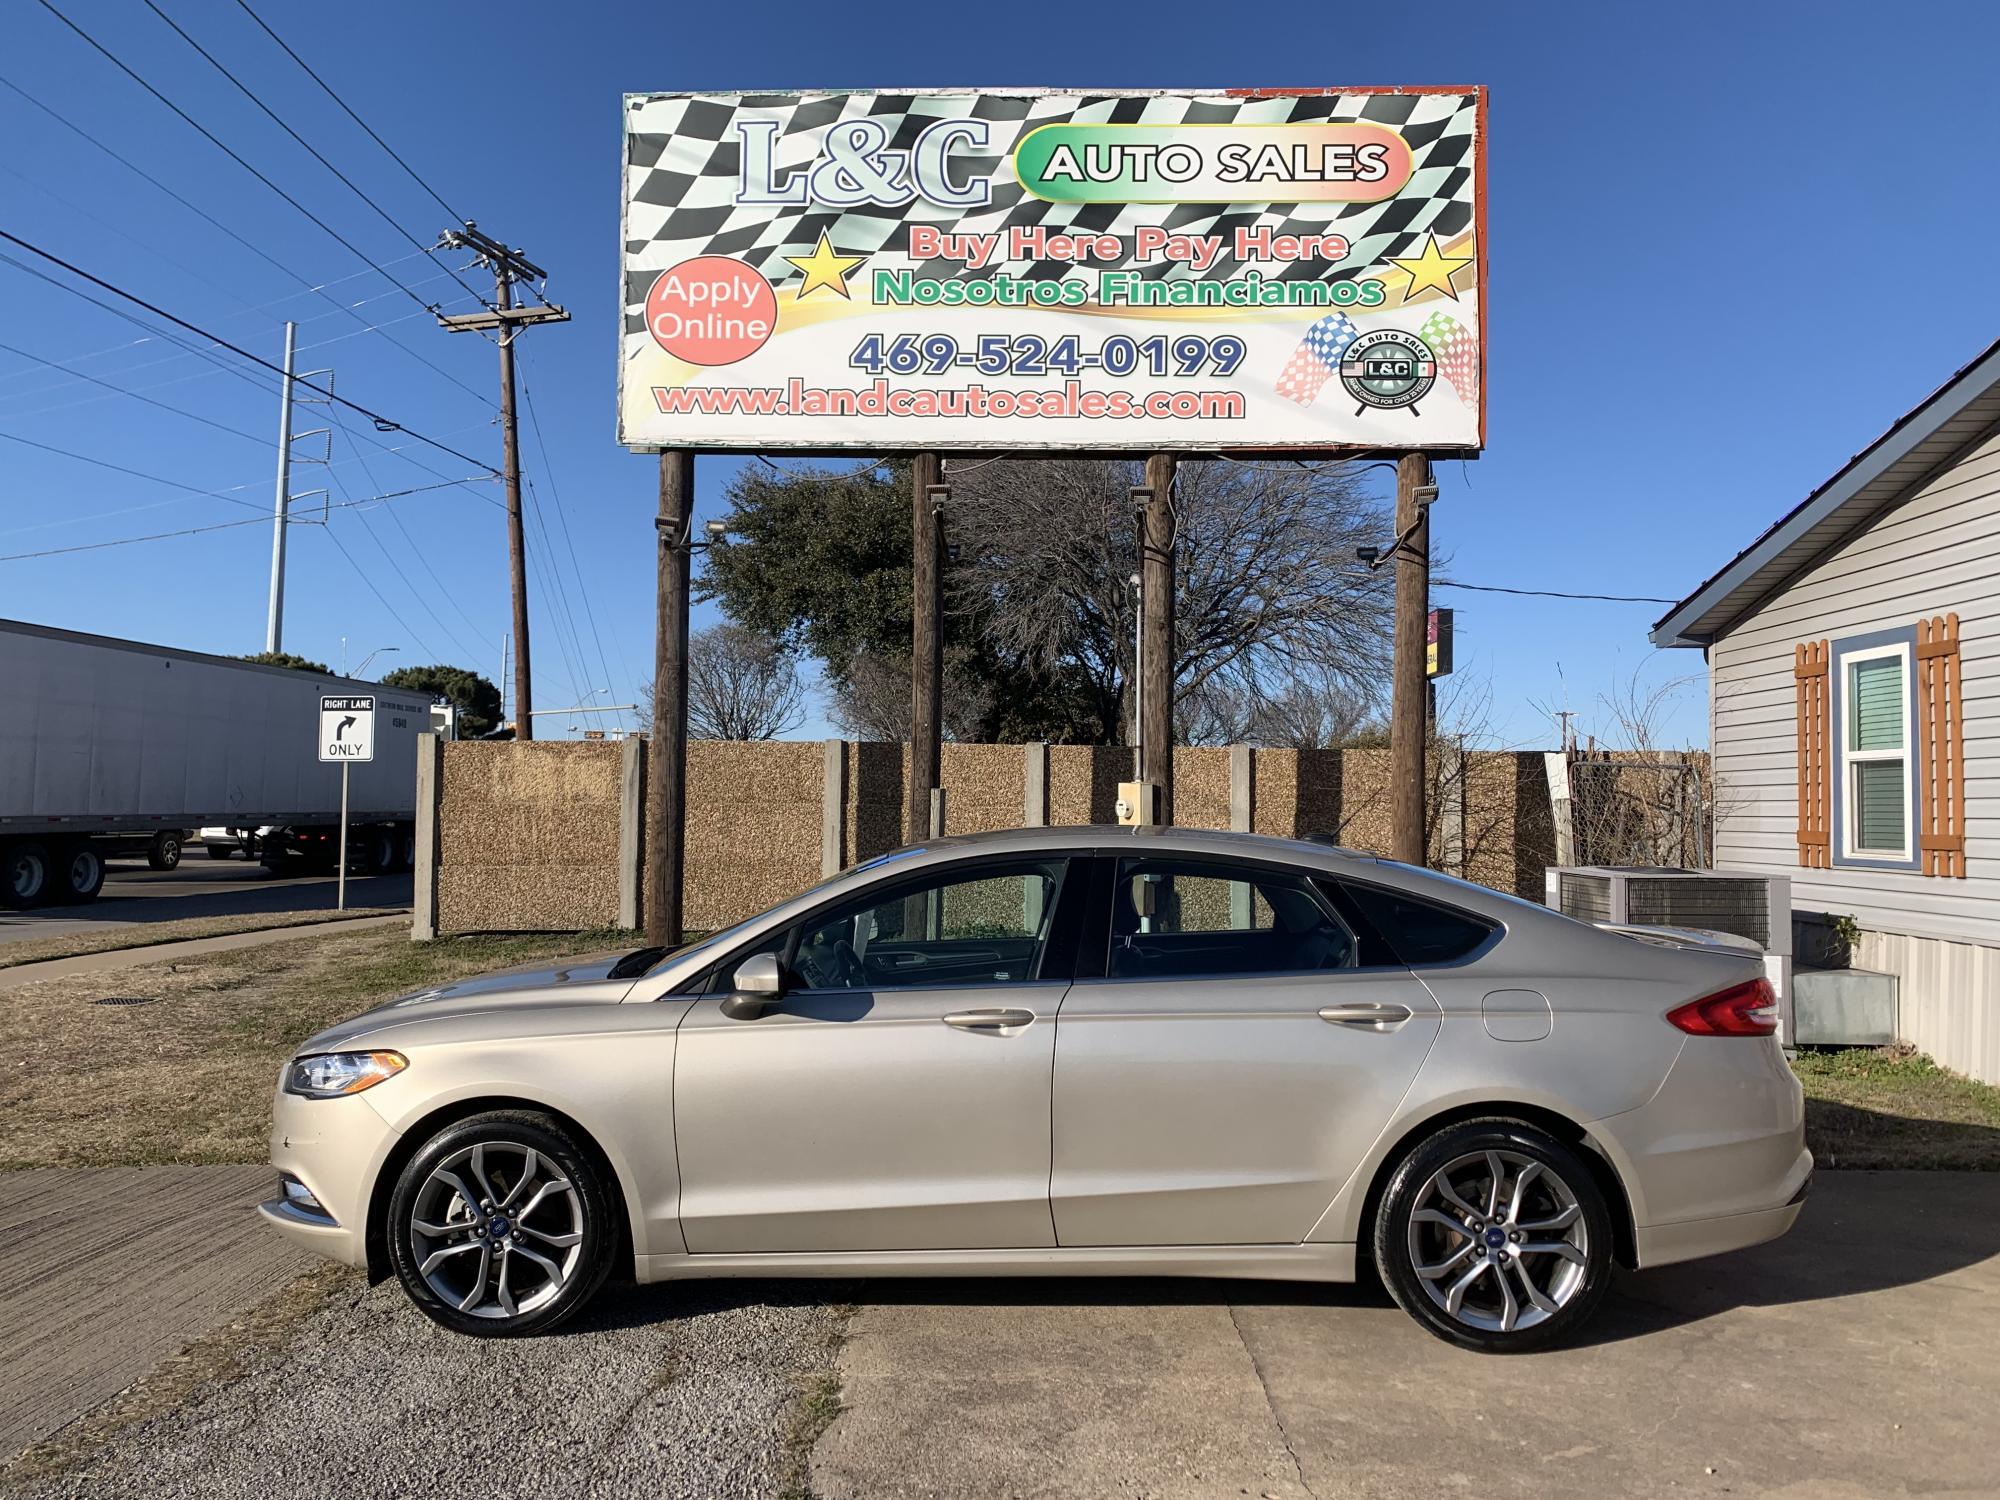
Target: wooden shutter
1809,673
1940,748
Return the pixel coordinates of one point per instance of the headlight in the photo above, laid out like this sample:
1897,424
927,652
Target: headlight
327,1075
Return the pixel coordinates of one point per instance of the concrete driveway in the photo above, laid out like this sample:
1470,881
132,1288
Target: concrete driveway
1860,1356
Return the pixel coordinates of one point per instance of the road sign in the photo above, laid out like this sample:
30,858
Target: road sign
347,728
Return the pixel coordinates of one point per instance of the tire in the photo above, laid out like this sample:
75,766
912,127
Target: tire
567,1196
24,874
164,853
219,851
78,874
406,852
1482,1271
380,858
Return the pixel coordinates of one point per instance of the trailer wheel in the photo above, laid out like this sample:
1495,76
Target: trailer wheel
165,851
24,875
380,858
79,873
406,852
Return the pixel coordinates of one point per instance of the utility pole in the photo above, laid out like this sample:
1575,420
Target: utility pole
927,497
666,752
508,266
1414,493
1156,665
274,624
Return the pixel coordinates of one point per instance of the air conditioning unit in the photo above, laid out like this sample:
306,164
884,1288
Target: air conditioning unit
1746,905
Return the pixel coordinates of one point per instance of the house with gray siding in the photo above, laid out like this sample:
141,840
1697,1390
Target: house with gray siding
1854,710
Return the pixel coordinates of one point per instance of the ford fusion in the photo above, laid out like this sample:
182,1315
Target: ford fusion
1087,1051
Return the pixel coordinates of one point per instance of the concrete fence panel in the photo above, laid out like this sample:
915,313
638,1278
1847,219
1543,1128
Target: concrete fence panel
528,836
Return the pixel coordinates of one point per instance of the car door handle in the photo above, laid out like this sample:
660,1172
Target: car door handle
1368,1015
988,1020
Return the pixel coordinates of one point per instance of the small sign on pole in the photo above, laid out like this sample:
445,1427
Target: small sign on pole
346,734
1437,644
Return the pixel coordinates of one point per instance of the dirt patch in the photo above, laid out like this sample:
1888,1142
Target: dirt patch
1891,1108
186,1075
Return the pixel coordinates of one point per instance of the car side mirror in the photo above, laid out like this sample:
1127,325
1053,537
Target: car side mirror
760,984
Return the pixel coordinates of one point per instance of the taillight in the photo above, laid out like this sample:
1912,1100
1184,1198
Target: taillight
1747,1009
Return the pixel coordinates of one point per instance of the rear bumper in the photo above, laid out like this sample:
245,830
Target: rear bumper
1664,1244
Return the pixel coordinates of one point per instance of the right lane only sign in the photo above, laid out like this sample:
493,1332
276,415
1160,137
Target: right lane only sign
347,728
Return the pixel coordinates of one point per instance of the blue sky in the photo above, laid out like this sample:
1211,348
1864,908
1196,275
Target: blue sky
1728,245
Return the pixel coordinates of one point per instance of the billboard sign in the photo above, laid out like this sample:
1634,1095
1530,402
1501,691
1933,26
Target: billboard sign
1437,644
1126,272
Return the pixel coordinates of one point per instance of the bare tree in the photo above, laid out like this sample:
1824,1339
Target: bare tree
872,700
1308,708
1635,798
1269,589
741,686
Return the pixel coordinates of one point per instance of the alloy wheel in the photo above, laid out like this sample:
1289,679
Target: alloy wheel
497,1230
1498,1241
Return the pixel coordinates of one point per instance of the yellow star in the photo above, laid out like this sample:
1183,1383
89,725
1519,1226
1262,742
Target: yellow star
824,268
1431,271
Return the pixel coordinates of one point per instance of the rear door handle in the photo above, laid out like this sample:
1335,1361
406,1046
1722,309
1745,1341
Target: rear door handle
1369,1015
988,1020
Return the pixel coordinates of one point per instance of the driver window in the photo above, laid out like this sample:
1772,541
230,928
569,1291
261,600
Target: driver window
982,927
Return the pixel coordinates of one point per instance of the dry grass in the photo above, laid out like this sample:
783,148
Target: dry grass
1889,1107
119,935
187,1077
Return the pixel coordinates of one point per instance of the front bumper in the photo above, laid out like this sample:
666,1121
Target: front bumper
335,1148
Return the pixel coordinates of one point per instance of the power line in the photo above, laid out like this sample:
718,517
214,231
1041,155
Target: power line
1490,588
254,249
341,547
381,422
280,122
328,89
85,458
222,146
148,400
261,520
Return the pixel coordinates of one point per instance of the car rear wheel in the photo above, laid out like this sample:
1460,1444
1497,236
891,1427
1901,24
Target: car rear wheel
164,853
1495,1236
501,1225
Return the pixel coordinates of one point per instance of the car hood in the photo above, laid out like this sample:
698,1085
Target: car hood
578,983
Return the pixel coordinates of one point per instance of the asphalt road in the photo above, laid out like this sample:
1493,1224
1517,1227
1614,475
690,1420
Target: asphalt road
201,887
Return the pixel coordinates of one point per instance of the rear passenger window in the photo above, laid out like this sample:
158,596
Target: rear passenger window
1421,934
1185,919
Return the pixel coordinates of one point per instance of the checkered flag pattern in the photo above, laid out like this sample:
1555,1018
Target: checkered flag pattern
684,158
1457,351
1316,359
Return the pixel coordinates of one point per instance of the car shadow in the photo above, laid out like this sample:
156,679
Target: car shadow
1859,1232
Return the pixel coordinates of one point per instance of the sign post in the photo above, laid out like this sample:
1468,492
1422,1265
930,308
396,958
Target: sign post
346,734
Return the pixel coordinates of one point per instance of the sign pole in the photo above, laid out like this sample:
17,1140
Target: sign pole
926,644
666,752
1408,696
1156,656
340,889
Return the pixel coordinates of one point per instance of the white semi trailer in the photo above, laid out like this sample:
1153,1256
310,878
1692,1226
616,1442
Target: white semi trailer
110,746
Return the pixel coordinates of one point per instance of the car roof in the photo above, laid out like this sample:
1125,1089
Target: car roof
1115,836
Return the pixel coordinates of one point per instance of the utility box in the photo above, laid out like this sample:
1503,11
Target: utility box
1138,804
1745,905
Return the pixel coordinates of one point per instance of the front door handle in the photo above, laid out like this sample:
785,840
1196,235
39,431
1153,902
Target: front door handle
1368,1015
988,1020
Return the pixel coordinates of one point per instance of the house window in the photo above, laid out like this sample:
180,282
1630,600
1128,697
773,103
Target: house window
1877,781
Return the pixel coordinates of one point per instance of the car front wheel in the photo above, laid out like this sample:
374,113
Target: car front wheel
1495,1236
501,1225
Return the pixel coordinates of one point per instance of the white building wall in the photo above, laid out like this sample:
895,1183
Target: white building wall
1938,553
